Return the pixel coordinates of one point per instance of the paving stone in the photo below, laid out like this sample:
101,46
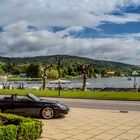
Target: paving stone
134,131
105,127
117,139
115,131
69,139
92,124
138,138
82,136
127,136
75,131
132,124
67,127
45,139
137,127
95,131
123,127
54,131
105,136
87,127
93,139
59,136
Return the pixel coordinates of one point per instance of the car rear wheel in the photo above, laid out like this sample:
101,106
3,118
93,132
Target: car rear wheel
47,113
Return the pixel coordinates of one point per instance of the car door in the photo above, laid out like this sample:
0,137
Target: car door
5,103
24,106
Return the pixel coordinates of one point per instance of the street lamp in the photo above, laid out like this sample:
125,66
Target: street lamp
59,84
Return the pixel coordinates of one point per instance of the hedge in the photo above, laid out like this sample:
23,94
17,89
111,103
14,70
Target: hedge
8,132
19,128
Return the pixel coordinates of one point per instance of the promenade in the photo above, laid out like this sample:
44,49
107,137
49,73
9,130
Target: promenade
92,124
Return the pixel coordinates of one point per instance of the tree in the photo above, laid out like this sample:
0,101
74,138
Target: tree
15,71
86,71
53,74
96,71
1,71
72,71
117,73
45,73
33,71
64,71
103,73
8,68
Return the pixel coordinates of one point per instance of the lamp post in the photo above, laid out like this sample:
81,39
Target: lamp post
59,84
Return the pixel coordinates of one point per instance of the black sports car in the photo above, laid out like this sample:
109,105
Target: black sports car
31,105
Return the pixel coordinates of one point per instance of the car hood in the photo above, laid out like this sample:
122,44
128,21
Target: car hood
48,101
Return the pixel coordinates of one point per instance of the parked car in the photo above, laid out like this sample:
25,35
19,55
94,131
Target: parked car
31,105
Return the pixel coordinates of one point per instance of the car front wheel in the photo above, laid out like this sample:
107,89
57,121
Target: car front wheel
47,113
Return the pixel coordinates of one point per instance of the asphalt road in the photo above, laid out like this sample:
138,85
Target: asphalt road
101,104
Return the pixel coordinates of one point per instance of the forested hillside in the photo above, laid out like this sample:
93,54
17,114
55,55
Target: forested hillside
71,60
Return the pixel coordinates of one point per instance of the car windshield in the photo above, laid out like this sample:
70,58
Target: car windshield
33,97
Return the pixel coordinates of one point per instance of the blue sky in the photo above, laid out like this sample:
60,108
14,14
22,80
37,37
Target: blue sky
103,29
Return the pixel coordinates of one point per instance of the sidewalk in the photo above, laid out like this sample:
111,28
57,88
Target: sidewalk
91,124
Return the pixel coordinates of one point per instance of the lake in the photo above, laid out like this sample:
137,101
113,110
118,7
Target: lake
113,82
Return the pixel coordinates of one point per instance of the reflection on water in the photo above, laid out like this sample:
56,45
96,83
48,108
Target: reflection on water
114,82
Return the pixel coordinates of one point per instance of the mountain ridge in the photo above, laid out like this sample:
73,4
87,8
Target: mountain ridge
71,60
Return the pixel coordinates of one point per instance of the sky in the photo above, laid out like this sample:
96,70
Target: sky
98,29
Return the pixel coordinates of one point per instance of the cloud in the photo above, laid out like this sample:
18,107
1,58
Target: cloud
17,40
121,19
44,42
65,13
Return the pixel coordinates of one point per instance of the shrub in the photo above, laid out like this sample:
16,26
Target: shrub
30,130
19,128
8,132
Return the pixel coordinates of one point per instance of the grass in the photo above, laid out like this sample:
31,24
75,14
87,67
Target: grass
23,79
78,94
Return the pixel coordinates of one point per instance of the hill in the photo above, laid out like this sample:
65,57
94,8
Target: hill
71,60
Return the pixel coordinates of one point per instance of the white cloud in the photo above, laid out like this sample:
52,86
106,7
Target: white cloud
64,12
17,15
121,19
124,49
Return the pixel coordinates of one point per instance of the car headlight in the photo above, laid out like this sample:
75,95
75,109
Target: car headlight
62,106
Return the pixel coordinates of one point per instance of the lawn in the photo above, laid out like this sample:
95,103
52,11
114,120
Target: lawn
23,79
78,94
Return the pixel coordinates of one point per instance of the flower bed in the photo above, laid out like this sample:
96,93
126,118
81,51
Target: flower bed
19,128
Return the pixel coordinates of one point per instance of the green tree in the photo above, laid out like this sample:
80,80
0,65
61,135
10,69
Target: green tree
71,71
96,71
15,71
64,71
1,71
53,74
103,73
8,68
33,71
117,73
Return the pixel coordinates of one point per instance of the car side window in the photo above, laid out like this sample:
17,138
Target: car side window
8,98
13,97
22,98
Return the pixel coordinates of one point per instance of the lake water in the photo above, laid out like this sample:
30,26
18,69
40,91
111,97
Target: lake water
114,82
